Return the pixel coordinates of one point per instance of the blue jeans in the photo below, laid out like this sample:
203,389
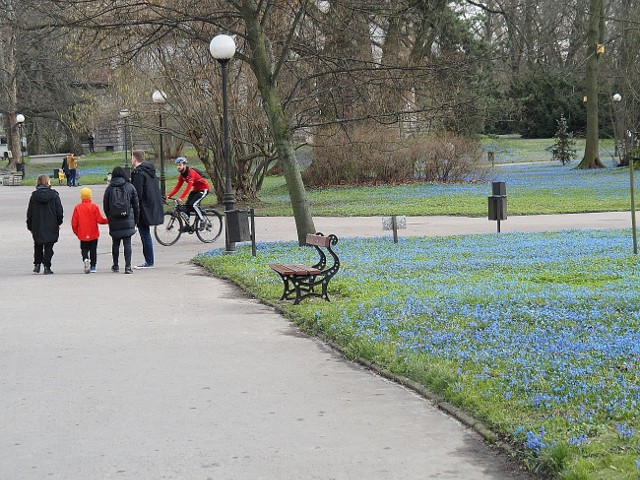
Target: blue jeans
147,243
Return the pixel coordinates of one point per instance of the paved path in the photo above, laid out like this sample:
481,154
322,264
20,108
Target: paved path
171,373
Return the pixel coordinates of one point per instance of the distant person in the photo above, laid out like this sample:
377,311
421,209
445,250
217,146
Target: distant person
92,143
84,222
72,164
65,168
143,177
121,207
194,181
44,217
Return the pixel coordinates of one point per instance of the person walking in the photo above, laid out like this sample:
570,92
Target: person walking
72,165
144,179
84,223
121,207
44,217
65,168
194,181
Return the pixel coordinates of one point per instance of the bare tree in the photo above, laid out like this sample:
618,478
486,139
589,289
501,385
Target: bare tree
595,48
9,65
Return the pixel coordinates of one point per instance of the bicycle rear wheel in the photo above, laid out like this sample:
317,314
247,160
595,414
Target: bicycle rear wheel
209,229
168,232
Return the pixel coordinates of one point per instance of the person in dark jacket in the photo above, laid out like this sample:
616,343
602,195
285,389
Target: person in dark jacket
143,177
121,229
44,217
65,169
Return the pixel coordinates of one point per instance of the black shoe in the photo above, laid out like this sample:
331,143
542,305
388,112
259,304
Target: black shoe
36,268
47,271
115,269
128,270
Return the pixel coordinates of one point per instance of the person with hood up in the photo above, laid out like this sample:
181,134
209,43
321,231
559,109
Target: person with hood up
144,179
44,217
122,209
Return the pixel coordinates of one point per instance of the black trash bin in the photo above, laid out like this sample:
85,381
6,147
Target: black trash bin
20,167
238,225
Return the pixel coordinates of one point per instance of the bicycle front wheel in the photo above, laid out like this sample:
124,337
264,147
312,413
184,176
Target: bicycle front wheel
210,228
169,231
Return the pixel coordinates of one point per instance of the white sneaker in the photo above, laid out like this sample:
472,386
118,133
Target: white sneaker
87,265
144,265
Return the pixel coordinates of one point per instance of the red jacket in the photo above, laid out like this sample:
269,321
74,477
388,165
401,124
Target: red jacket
194,180
85,220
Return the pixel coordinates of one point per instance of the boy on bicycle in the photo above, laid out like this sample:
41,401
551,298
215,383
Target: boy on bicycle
197,187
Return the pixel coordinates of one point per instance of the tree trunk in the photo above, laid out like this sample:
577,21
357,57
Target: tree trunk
14,142
591,157
280,130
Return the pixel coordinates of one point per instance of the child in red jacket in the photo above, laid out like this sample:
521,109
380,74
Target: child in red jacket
84,222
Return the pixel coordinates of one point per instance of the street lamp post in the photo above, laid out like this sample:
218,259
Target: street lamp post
160,98
617,98
124,114
222,48
20,119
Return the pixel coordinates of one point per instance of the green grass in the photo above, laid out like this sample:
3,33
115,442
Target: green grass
536,335
510,150
595,191
528,194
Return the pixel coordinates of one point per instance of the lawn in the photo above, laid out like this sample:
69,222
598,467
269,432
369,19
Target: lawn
534,186
534,334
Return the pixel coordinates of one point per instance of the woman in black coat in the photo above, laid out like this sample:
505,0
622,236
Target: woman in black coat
44,217
121,227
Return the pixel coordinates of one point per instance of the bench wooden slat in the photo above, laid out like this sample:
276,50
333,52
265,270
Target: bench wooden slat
319,240
294,269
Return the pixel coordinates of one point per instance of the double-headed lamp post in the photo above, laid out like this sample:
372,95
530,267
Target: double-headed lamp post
222,48
124,114
160,99
617,98
20,120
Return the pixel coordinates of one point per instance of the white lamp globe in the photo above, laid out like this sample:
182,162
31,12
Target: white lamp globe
617,97
159,96
222,47
20,118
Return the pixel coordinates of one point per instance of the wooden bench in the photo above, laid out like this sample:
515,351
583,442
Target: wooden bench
300,281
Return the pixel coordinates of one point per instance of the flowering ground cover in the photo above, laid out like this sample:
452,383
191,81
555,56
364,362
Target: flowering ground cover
532,189
536,334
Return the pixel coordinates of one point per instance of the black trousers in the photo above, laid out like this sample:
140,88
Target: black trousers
90,250
115,250
42,253
193,201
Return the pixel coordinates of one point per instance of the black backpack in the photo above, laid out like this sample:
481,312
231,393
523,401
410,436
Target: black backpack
200,172
119,203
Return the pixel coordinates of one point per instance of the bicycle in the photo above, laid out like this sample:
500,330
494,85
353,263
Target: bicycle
176,223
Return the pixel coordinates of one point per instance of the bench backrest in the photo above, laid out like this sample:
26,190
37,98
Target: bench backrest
318,240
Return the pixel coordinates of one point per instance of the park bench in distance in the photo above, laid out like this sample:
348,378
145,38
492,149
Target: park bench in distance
300,281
